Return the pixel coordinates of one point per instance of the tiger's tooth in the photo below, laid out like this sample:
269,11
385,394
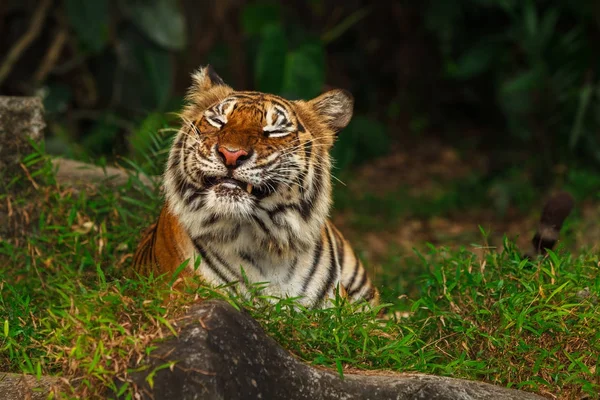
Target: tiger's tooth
249,188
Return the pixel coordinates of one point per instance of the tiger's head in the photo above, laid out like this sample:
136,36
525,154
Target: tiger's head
242,156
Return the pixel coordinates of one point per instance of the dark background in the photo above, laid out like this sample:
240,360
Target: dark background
460,105
488,75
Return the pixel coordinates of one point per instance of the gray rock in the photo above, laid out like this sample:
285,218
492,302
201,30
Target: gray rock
77,174
224,354
21,118
21,121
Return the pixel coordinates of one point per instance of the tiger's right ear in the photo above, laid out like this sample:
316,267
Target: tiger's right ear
207,88
205,78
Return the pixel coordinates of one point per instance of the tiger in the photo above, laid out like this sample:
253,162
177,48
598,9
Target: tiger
248,192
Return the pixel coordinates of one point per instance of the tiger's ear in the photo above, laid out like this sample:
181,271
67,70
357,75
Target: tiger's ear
334,108
207,88
205,78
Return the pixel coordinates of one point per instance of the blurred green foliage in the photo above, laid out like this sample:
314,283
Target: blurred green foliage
533,61
523,69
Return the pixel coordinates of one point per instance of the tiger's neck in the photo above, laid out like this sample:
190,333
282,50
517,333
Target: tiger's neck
274,234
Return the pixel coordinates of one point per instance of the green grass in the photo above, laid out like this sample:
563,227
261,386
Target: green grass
65,308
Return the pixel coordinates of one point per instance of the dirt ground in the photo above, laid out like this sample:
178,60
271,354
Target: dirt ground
428,167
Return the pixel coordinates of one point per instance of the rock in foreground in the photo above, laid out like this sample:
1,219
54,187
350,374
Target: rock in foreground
222,353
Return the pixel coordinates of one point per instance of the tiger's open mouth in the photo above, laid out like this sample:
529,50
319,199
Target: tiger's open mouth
234,184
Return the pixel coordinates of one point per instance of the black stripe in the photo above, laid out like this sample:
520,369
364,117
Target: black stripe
228,267
211,219
247,95
247,257
281,208
250,260
262,225
140,258
221,235
307,150
148,253
340,247
332,270
306,205
370,294
291,270
208,263
179,181
154,235
233,235
280,103
188,191
185,165
360,284
178,145
356,268
201,194
267,164
316,260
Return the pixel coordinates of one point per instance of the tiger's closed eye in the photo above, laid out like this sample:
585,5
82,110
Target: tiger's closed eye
279,123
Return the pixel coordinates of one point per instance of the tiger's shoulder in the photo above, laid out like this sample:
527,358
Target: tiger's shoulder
163,246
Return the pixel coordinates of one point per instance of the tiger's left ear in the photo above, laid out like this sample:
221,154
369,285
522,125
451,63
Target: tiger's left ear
334,108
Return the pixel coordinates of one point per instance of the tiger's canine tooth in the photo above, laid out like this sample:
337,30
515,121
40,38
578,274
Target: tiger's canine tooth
249,188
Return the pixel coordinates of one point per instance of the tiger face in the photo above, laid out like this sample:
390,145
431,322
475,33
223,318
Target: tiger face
239,155
241,151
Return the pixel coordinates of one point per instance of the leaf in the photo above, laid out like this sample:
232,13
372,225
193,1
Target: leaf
585,96
345,25
523,82
304,75
557,290
548,26
146,72
340,368
515,94
90,20
178,271
474,61
160,20
159,73
257,15
530,18
271,59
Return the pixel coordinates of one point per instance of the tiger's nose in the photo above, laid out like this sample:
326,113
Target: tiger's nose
233,157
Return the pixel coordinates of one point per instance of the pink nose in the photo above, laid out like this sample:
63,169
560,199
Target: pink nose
233,157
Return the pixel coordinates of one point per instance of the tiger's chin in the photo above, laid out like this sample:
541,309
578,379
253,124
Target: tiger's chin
234,205
230,198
